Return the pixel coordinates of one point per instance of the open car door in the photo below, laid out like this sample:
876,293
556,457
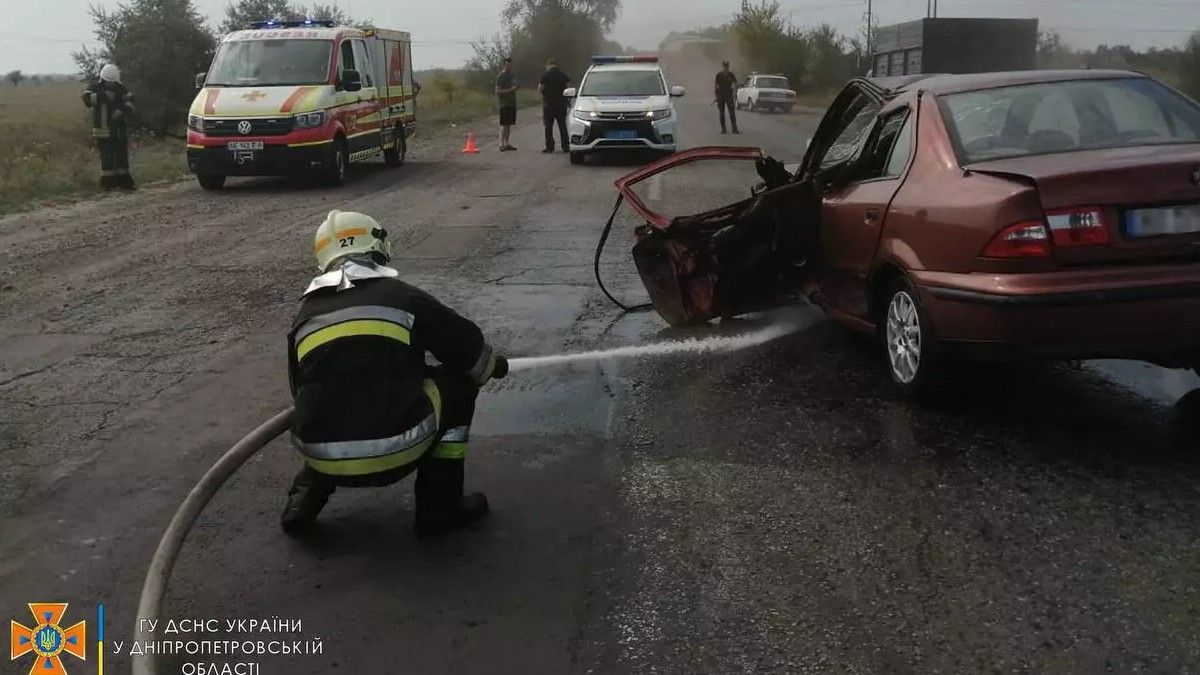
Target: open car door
699,262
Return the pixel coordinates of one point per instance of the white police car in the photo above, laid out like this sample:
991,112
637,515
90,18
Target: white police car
623,102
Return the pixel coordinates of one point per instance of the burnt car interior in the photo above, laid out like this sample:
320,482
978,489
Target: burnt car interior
762,251
738,258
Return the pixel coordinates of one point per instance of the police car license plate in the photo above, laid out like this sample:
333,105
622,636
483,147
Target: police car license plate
244,145
622,134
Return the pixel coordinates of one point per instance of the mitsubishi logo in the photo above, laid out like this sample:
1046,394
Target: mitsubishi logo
1196,176
244,127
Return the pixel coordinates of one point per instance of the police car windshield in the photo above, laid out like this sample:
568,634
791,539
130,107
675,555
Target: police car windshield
270,62
623,83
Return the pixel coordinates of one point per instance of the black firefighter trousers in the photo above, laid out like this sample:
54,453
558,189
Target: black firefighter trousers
440,471
113,144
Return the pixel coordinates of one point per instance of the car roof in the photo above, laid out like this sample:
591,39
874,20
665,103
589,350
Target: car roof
952,84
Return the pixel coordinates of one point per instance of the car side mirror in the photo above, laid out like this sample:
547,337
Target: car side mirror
351,80
200,78
678,91
570,92
835,177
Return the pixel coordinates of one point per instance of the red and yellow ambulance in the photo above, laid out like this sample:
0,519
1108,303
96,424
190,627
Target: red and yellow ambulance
302,97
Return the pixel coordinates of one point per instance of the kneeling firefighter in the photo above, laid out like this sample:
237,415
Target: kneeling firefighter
369,411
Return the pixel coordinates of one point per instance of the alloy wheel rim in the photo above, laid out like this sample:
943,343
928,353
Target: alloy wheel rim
904,337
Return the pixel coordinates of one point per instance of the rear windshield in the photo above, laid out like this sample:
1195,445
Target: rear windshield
623,83
772,83
263,63
1055,117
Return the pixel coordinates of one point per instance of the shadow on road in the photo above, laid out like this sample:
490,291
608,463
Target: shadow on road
1043,412
357,175
630,158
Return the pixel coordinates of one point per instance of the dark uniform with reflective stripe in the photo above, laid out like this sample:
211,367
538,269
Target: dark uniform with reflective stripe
111,103
369,411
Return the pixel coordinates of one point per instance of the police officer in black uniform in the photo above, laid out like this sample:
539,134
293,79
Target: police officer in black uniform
725,93
111,104
554,105
368,410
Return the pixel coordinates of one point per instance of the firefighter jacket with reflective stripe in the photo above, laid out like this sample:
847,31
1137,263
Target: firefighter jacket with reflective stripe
111,103
358,375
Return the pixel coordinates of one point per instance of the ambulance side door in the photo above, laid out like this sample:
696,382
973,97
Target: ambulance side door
369,108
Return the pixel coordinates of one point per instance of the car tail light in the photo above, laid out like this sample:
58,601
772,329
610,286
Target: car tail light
1023,240
1082,226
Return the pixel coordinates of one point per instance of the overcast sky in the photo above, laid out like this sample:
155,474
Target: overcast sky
38,36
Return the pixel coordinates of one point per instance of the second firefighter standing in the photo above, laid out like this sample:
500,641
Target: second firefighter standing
111,104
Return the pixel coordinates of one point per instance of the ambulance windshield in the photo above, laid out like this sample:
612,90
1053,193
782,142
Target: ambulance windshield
265,63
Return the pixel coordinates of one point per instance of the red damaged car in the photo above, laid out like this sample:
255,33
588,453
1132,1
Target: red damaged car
989,216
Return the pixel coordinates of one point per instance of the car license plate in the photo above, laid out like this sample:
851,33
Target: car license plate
621,134
1162,221
244,145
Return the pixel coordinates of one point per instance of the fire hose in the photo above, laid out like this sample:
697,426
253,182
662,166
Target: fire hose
155,587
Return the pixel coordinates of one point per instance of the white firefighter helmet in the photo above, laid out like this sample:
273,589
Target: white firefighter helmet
346,234
110,73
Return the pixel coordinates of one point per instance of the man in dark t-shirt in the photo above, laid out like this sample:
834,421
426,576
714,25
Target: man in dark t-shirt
506,97
725,92
554,105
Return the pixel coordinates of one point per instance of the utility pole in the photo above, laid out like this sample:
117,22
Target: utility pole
870,29
935,9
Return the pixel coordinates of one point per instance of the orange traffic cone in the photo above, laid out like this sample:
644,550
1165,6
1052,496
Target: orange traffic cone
470,148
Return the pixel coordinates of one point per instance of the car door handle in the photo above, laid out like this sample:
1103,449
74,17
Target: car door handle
871,217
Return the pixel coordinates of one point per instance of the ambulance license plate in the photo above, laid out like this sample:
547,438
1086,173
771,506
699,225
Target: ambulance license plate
244,145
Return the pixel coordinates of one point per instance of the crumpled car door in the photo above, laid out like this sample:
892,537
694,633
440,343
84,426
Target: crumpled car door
744,256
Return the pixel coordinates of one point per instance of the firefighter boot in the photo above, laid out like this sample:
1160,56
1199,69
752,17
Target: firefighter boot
308,495
441,505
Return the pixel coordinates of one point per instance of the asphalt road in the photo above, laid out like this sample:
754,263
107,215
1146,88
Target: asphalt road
777,509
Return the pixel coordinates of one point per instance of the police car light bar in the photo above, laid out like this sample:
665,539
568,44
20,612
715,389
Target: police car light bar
625,59
302,23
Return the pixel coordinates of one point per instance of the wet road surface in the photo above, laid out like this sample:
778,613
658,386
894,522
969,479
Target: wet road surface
777,509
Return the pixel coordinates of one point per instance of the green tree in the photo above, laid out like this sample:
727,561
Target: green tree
1189,68
242,13
1053,52
159,45
446,84
15,76
570,31
602,13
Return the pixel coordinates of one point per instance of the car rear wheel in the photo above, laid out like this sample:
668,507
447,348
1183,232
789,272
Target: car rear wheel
211,181
911,348
335,173
394,156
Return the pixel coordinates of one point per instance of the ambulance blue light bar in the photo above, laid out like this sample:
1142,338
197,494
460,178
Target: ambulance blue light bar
647,58
301,23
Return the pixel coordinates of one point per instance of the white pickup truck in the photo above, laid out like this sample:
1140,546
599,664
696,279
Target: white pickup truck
766,92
